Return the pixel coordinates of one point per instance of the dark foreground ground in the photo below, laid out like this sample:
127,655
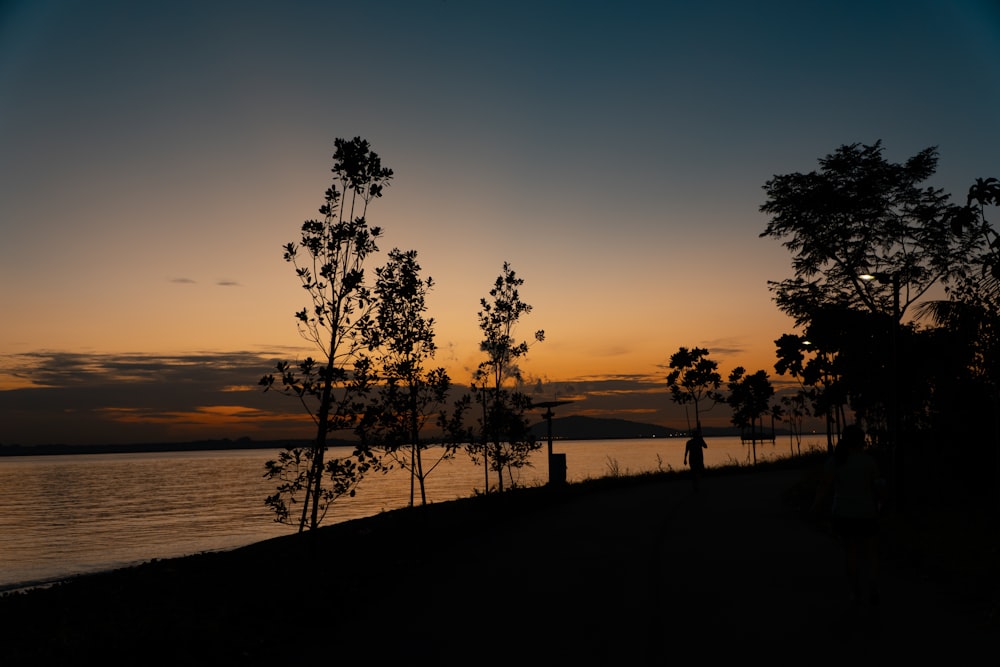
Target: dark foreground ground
613,572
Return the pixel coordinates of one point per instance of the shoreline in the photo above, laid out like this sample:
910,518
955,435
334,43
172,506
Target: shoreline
38,575
223,444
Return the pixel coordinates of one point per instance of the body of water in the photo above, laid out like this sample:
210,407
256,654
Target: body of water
62,516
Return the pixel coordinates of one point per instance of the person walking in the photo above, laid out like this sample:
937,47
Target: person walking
694,457
851,489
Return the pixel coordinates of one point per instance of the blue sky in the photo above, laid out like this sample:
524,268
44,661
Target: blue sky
154,158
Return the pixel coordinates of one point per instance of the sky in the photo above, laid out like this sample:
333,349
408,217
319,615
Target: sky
156,156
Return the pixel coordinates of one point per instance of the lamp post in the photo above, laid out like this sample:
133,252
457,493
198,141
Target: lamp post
553,478
893,279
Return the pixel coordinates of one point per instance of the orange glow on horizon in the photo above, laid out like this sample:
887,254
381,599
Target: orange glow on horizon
226,420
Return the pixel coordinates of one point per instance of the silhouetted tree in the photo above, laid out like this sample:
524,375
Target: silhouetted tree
862,215
852,368
329,261
791,351
971,221
695,378
970,320
750,399
814,361
795,408
409,394
974,307
505,442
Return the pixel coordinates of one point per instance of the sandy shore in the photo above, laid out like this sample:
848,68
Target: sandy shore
603,573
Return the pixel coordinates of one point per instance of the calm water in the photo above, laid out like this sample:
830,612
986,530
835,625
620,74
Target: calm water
67,515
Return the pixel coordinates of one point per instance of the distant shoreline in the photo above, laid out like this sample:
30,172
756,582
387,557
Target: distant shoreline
563,429
225,444
139,448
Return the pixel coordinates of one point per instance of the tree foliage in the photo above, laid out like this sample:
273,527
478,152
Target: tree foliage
845,361
975,303
695,379
750,397
971,221
800,358
505,442
408,393
967,357
868,240
863,215
329,262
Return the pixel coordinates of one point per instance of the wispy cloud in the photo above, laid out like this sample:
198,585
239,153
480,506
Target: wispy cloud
56,369
724,347
183,281
137,397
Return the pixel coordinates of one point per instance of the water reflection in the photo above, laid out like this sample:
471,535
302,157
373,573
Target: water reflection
63,515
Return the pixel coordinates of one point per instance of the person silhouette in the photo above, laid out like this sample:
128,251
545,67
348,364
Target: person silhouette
852,485
694,457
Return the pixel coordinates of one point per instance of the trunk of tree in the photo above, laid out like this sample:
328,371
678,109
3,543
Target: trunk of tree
486,455
417,459
413,471
496,458
319,448
420,477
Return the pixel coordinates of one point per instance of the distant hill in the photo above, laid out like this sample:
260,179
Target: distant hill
563,428
593,428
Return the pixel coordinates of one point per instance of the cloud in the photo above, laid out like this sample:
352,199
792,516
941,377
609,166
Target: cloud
118,398
723,347
96,370
183,281
227,283
140,397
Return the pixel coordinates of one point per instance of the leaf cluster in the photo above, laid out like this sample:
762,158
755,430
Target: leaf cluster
294,470
498,317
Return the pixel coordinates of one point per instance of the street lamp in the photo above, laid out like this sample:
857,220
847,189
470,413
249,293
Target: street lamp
891,277
557,473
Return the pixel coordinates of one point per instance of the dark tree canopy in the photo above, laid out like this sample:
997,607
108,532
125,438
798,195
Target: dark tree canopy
694,378
861,214
750,397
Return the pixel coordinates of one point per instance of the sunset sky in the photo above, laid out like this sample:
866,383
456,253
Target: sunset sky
155,156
